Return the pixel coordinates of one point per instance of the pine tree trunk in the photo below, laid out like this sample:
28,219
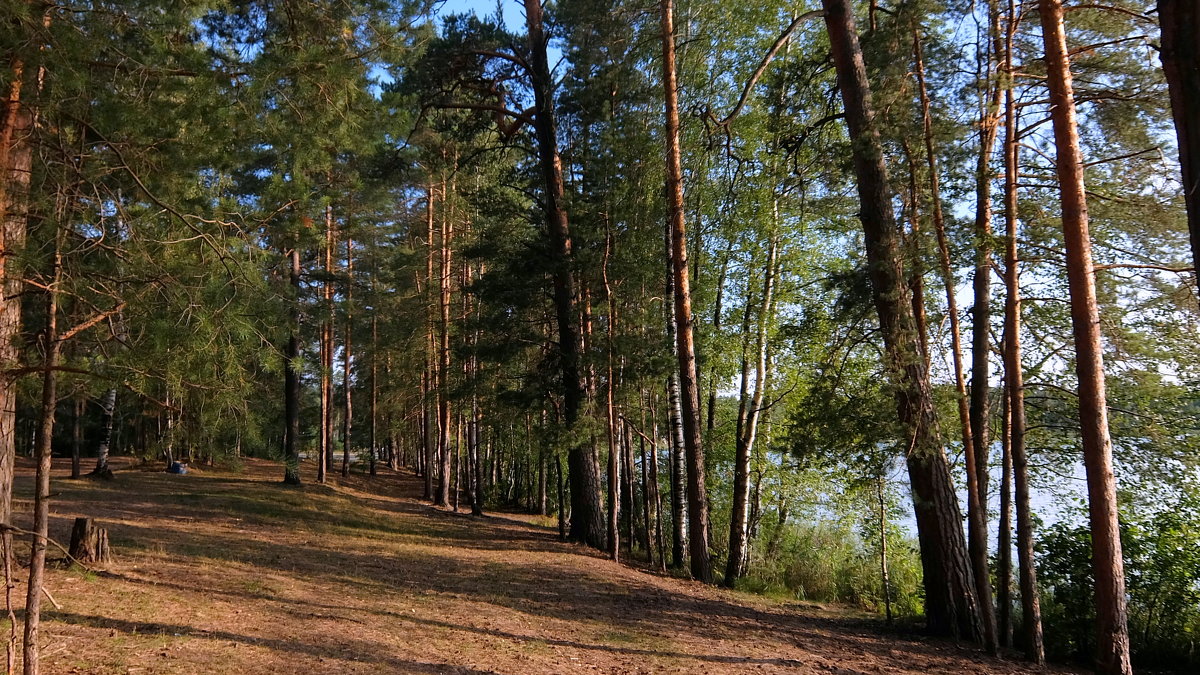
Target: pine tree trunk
587,516
967,412
628,493
16,163
614,467
89,544
1112,645
697,498
647,503
375,394
1180,55
981,332
1004,628
1014,378
430,377
43,457
291,379
347,352
477,463
442,495
325,452
951,607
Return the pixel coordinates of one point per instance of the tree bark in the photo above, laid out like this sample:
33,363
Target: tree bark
587,516
697,499
967,410
108,407
347,351
291,379
1112,644
16,164
325,450
747,429
951,606
89,544
1180,55
77,437
614,466
981,330
1031,611
445,469
1004,628
43,457
430,379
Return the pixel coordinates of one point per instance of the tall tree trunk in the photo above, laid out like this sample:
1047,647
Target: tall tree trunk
1004,629
108,406
678,471
587,516
614,466
430,379
697,498
325,452
718,308
77,436
884,577
347,351
44,456
1014,378
679,531
16,164
1112,644
562,502
747,428
477,463
981,326
375,392
1180,55
291,379
445,470
648,513
967,410
951,607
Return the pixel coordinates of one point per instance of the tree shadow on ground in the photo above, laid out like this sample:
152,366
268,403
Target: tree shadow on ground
403,547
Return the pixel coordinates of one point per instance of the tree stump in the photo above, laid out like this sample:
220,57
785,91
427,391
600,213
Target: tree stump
89,544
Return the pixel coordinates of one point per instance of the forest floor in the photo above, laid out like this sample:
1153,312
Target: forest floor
223,572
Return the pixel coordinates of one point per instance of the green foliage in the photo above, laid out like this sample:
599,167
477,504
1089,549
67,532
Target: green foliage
1162,570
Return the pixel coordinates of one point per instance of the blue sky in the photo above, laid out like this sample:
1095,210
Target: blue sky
514,10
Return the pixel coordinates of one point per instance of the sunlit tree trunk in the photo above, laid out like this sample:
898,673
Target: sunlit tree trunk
968,411
430,377
347,351
1014,378
951,607
442,494
749,410
1112,643
697,498
16,162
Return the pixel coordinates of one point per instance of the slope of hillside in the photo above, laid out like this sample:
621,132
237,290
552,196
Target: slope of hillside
233,572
